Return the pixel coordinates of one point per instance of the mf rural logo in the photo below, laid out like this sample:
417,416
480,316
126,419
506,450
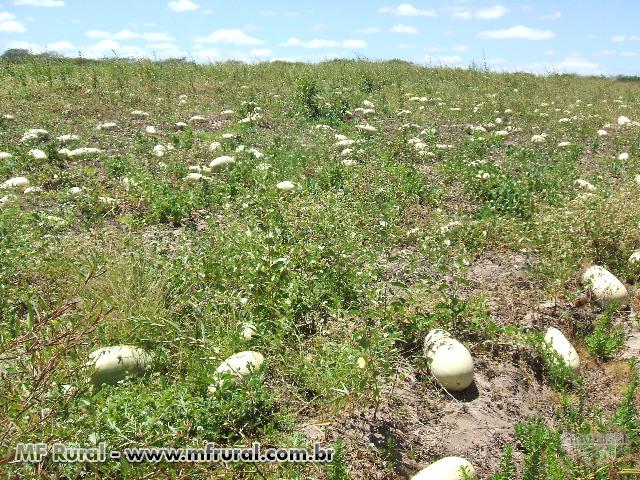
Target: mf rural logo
600,449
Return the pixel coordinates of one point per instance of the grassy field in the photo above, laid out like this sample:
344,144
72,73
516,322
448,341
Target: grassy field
450,215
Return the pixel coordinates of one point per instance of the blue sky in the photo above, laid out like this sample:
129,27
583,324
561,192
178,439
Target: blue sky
586,37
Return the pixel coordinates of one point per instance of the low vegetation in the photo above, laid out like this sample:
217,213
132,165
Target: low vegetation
328,217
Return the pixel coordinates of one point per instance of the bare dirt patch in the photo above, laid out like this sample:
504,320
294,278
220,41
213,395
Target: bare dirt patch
417,422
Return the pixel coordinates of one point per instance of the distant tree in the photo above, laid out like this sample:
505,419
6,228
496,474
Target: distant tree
175,60
16,54
22,54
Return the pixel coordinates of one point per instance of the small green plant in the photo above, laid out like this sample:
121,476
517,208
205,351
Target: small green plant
450,312
605,339
390,451
627,416
574,415
507,467
544,458
337,469
505,195
169,205
309,97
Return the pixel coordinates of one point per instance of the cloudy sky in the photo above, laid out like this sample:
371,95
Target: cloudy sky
586,37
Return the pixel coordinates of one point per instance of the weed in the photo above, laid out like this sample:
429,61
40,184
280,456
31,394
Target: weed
605,339
337,469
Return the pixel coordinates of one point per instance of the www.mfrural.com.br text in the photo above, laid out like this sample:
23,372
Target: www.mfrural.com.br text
61,453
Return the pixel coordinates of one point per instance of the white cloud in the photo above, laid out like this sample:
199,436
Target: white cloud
109,47
491,13
273,13
121,35
552,16
549,53
166,50
162,46
518,32
408,10
450,59
317,43
40,3
9,24
400,28
156,37
614,53
32,47
183,6
233,36
571,64
251,28
580,65
261,52
104,48
623,38
368,30
354,44
130,35
208,54
61,46
488,13
406,45
321,43
460,48
461,13
605,53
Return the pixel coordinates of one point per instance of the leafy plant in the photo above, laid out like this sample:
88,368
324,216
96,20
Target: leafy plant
605,339
309,97
507,467
337,469
544,458
626,415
